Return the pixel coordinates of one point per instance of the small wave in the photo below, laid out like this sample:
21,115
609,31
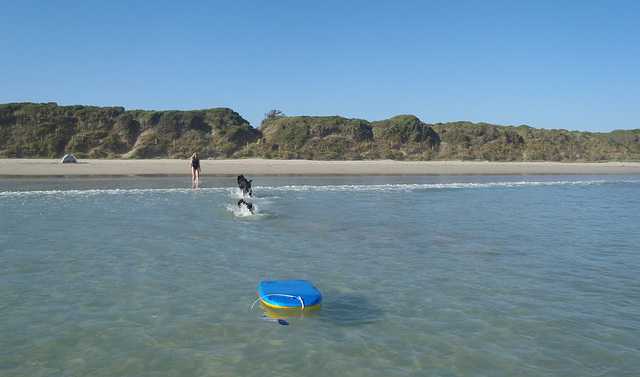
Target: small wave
441,186
236,193
93,192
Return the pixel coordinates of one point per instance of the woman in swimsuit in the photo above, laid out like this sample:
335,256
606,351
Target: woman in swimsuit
195,167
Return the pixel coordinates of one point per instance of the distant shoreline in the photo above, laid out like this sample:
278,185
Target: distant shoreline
14,168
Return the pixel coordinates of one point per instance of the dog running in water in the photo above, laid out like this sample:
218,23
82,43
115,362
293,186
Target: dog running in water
249,205
245,185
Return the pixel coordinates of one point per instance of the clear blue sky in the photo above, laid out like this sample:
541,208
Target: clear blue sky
547,64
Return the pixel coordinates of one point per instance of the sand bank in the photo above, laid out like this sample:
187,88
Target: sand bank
260,167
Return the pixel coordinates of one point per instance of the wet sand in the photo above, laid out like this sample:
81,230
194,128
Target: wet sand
261,167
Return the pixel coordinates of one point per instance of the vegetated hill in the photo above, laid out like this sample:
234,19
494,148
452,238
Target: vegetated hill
405,137
482,141
49,130
314,138
30,130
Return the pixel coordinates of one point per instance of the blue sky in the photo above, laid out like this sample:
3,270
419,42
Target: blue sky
547,64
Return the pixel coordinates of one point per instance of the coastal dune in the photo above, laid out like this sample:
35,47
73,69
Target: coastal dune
262,167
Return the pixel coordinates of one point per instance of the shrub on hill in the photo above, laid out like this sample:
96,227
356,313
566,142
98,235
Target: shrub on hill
49,131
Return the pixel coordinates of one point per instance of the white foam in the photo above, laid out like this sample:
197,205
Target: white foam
242,211
436,186
236,193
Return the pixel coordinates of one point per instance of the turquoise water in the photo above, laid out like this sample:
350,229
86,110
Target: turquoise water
429,275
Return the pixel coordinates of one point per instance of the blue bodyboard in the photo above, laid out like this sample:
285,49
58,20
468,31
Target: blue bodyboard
289,294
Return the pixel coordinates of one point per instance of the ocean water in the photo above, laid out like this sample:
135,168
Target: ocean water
421,276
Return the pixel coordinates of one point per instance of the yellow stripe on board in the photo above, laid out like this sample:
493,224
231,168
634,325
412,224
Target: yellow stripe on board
290,307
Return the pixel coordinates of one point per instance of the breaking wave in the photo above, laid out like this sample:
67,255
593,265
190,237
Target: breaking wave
276,190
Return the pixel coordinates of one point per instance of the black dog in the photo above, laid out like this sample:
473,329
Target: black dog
245,185
249,205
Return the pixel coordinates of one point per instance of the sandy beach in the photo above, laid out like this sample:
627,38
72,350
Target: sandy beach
259,167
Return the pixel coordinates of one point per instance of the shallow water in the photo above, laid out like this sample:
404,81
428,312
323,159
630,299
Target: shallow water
438,276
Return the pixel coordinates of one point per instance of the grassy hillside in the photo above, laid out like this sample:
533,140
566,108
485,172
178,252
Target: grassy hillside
314,138
49,130
405,137
30,130
481,141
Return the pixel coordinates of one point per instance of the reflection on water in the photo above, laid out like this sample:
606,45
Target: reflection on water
349,310
273,314
339,310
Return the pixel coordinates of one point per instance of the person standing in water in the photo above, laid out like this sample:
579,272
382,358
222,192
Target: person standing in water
195,168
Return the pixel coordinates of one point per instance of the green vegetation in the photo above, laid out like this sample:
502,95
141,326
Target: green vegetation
405,137
30,130
469,141
313,138
49,130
